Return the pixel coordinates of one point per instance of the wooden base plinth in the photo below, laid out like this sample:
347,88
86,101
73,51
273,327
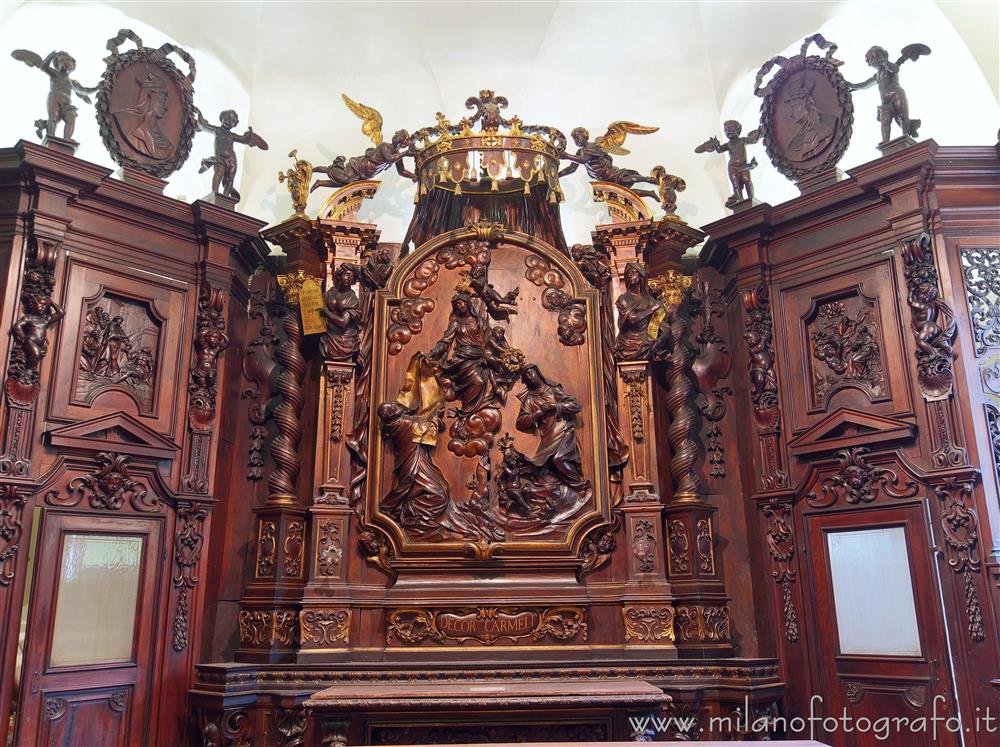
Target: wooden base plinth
741,206
819,181
139,178
348,702
61,144
222,201
895,146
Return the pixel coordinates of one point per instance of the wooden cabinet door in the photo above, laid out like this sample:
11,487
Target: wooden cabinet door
883,652
90,634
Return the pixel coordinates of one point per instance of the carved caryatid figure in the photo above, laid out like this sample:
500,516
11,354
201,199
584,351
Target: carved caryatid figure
552,415
739,167
140,123
893,106
223,163
639,314
59,104
342,312
595,157
28,333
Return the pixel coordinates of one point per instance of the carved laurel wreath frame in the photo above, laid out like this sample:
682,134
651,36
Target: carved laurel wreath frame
827,66
184,83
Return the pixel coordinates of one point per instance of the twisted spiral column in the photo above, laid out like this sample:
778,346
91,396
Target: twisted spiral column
288,415
685,445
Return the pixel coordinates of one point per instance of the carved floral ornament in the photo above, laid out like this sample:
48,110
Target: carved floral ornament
108,487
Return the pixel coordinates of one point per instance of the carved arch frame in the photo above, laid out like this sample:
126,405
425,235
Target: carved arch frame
518,553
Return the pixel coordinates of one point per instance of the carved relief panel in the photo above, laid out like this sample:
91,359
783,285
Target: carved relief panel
841,343
486,411
121,349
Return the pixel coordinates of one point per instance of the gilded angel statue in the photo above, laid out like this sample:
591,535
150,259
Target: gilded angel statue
595,156
298,178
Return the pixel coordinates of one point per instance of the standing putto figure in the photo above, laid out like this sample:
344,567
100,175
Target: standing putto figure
893,105
739,167
667,187
223,163
59,104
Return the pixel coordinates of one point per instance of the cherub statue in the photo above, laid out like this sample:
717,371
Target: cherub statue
893,105
739,167
59,104
298,178
595,156
223,162
668,185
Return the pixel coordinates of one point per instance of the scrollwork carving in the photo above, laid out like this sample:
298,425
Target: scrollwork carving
931,320
107,488
648,624
635,393
858,481
258,367
781,546
187,552
324,627
678,542
292,548
12,502
329,550
981,267
960,526
267,546
701,623
705,543
644,545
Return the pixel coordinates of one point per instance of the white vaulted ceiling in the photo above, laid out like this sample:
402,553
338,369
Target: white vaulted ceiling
683,66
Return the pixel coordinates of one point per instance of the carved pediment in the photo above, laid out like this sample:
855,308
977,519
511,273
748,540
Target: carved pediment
118,431
845,428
